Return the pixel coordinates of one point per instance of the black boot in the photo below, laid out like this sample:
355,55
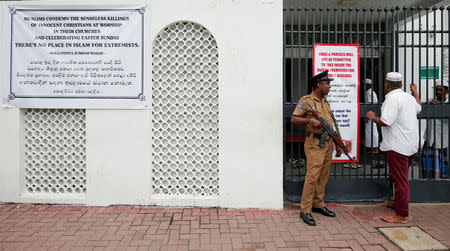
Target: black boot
325,211
308,219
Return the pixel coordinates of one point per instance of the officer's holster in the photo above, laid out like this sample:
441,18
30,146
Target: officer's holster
322,137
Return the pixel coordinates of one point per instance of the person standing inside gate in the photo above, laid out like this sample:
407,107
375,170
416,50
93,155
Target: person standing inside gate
400,130
318,149
371,132
437,128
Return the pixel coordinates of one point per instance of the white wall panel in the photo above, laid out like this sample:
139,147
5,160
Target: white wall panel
119,143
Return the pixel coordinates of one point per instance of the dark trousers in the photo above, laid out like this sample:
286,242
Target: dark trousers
399,167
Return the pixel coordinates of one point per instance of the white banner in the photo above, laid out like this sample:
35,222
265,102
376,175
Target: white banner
77,57
342,63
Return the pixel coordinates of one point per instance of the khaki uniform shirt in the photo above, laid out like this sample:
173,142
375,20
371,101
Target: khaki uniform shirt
322,107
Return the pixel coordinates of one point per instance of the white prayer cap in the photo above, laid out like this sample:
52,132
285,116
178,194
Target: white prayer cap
394,76
442,83
368,81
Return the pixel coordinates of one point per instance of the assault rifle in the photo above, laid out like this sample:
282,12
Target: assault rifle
328,130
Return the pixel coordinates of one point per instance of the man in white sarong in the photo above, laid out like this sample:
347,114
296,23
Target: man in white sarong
437,138
371,132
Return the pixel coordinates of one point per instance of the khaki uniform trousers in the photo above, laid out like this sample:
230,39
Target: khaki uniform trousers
318,162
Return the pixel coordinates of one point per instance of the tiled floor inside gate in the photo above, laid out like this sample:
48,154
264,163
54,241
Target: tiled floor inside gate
369,165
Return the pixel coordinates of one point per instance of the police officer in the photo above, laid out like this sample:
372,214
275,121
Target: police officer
318,159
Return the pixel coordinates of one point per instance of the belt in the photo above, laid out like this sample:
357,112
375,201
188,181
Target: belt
314,135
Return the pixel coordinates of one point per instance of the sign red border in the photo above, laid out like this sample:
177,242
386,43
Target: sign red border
314,73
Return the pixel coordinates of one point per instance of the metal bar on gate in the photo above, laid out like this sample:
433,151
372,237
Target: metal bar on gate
299,75
412,64
420,52
335,40
441,155
350,23
434,46
428,131
350,36
335,25
284,94
448,119
412,44
306,46
371,43
397,42
434,78
343,41
321,28
328,14
394,48
421,174
426,53
313,25
386,69
395,66
306,53
371,77
379,77
365,76
393,36
357,41
427,10
404,48
291,64
343,27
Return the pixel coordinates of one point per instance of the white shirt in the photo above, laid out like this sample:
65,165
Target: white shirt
399,112
368,96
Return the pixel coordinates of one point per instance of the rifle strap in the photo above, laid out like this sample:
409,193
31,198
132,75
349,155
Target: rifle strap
335,125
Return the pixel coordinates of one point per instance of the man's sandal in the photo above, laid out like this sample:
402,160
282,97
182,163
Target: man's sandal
352,165
395,218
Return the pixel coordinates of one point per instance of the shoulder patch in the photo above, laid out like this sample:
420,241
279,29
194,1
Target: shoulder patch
300,105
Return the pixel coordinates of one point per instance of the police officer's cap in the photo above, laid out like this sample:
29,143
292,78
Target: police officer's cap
323,76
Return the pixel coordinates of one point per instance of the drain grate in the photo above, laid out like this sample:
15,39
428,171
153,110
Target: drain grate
412,238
